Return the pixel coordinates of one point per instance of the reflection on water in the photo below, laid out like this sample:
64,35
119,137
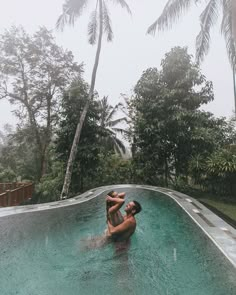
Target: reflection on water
175,254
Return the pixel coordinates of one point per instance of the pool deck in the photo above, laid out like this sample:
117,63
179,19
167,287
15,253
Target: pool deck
221,233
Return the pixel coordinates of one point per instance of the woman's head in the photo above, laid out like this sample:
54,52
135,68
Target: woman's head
112,194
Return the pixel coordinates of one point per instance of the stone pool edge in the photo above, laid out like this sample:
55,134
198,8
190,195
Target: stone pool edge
220,232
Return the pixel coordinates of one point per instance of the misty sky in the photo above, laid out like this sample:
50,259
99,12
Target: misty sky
132,51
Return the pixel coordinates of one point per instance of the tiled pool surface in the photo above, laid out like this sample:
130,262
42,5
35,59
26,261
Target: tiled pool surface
222,234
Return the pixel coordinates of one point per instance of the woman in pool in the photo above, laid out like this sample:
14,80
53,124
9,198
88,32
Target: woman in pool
114,202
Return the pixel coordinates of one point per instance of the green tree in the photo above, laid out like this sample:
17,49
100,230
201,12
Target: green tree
99,24
7,175
18,154
48,189
113,169
4,134
168,125
87,158
216,173
33,73
6,172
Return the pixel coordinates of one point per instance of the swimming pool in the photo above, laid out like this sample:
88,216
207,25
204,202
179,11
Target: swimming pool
42,251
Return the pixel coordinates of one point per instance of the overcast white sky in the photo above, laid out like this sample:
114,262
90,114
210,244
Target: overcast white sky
131,52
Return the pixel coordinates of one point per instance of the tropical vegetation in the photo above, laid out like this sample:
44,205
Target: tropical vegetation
160,136
99,24
176,143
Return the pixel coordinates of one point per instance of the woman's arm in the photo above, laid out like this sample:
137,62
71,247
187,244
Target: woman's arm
121,195
117,204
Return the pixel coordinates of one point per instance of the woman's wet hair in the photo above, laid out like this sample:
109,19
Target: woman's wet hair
137,207
111,194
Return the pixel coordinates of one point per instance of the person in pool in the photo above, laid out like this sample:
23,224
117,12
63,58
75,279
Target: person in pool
118,233
114,202
124,230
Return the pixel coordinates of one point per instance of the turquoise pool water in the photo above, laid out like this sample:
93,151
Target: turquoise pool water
45,253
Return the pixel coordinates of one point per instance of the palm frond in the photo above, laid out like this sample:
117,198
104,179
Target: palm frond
170,14
110,115
105,110
71,10
207,18
107,126
111,141
118,145
227,30
104,104
114,110
152,29
62,21
107,23
93,28
117,121
123,4
121,131
234,20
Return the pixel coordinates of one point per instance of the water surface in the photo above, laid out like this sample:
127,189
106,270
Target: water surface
44,253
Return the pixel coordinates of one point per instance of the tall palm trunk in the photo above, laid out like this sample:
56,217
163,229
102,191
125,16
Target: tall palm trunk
74,148
234,19
234,36
234,82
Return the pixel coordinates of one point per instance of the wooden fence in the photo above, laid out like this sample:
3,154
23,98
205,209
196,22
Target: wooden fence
13,194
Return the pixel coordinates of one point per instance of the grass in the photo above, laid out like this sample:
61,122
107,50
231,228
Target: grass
224,207
228,209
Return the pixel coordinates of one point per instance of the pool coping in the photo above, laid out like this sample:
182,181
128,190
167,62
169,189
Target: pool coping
220,232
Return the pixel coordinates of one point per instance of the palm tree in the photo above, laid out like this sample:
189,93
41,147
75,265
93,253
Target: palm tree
109,126
175,8
99,24
234,82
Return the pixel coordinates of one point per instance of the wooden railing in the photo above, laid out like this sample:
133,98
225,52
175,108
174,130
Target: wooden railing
13,194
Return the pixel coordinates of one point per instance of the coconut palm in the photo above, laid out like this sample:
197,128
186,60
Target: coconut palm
109,126
99,24
175,8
